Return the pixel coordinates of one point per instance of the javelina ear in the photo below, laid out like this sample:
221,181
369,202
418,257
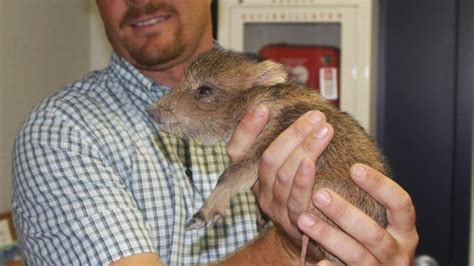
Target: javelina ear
269,73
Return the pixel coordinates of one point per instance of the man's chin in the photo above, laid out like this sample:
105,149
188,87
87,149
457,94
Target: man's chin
155,60
154,54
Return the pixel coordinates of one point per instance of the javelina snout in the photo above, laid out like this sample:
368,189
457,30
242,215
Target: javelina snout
220,86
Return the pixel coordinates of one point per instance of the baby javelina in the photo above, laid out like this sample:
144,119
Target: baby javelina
217,90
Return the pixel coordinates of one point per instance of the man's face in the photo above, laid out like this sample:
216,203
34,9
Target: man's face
156,34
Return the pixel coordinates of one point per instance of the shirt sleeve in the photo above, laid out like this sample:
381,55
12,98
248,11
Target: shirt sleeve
70,206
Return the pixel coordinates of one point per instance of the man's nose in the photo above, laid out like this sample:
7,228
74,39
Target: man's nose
137,2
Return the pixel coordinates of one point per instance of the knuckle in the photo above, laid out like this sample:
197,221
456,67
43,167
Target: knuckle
232,152
268,160
340,212
299,186
303,182
323,231
405,203
283,178
309,146
376,237
289,228
293,217
299,130
363,257
389,248
294,207
264,204
415,239
377,180
278,201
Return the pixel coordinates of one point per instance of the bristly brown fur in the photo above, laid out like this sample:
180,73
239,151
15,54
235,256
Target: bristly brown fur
216,91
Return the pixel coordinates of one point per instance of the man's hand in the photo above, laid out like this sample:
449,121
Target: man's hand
298,147
362,241
284,191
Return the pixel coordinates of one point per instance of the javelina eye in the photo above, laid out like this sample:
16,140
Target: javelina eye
204,91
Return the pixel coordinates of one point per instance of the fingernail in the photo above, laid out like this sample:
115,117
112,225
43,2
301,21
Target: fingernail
322,132
358,172
307,220
314,117
259,111
322,198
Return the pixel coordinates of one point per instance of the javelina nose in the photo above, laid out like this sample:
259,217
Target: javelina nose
154,112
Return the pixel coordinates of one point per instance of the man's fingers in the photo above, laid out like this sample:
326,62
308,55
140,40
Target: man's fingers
355,237
355,223
302,189
247,131
281,148
400,208
335,241
311,148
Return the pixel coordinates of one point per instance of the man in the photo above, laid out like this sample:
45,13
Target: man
97,183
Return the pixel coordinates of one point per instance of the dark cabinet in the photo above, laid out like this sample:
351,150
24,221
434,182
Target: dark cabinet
425,116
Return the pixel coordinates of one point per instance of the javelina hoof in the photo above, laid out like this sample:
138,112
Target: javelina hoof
198,221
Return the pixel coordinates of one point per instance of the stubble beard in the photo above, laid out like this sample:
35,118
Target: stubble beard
151,56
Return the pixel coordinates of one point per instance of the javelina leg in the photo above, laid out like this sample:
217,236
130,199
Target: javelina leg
240,176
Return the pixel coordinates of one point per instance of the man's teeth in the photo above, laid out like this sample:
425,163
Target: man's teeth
148,22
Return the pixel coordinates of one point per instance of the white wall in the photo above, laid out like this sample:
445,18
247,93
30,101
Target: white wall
100,49
44,44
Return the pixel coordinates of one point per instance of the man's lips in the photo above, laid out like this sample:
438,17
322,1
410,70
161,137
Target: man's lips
145,22
143,16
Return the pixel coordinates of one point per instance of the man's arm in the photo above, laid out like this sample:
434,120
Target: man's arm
149,259
267,249
69,206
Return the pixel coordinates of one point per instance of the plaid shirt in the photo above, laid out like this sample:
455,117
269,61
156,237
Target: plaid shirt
95,180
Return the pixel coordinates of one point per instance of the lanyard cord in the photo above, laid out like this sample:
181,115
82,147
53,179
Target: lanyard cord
187,161
188,165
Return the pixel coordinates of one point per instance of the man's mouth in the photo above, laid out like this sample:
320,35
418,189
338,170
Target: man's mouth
148,15
149,21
